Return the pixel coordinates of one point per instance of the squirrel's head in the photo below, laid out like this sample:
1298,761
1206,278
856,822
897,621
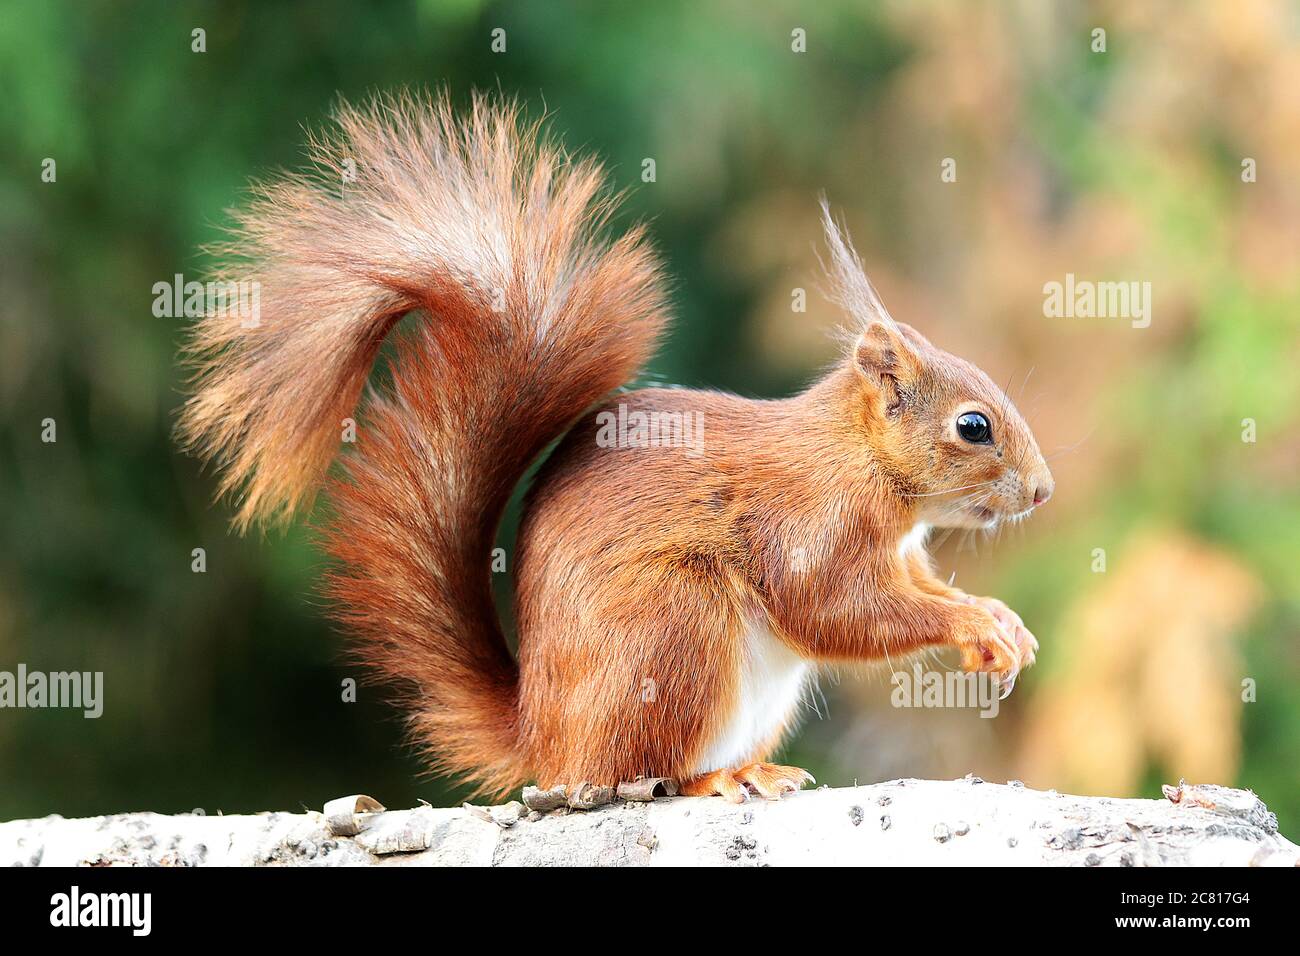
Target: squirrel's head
951,440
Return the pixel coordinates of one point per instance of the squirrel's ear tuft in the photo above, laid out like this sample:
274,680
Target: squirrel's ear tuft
850,287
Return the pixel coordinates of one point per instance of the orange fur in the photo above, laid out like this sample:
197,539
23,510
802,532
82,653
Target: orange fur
647,577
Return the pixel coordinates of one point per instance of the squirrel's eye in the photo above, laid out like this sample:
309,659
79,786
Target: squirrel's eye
974,428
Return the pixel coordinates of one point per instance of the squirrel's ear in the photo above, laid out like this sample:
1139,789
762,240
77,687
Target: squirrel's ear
882,353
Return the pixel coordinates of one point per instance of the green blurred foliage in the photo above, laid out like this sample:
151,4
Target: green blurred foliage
223,688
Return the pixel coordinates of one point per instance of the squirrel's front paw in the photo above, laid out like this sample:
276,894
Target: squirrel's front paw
1026,643
994,641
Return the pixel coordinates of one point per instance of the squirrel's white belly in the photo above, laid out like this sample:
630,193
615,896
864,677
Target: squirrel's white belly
768,688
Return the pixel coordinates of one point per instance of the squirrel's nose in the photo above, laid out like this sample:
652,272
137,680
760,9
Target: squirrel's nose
1043,492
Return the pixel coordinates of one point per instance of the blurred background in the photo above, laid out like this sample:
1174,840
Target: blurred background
1162,580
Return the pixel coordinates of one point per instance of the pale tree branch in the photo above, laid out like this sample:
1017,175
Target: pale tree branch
900,822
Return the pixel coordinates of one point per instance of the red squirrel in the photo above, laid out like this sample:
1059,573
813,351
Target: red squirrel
672,600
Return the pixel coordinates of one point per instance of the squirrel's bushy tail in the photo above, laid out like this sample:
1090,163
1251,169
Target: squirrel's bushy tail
524,317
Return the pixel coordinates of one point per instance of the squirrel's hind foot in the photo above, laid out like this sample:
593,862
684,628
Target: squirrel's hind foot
769,780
